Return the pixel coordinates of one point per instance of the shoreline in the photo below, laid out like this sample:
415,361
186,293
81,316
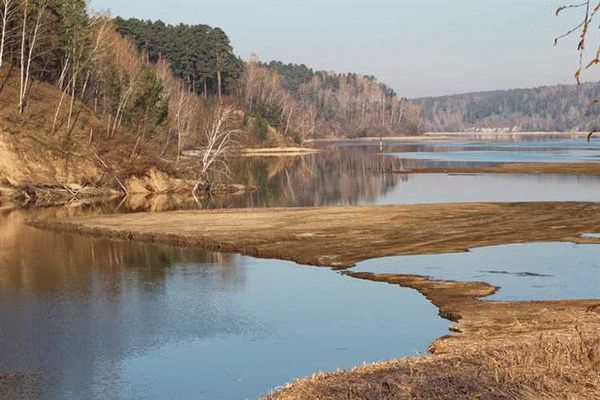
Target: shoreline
278,151
431,136
488,340
484,334
583,168
312,236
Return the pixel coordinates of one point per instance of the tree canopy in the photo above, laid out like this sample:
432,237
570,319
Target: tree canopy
199,54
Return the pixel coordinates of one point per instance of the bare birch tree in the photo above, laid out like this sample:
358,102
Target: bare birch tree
8,10
590,8
29,39
219,137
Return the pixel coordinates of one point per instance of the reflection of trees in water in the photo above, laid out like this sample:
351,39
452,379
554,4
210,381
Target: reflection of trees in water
72,308
340,176
51,261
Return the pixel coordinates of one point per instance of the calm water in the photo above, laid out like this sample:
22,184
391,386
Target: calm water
97,319
357,174
82,318
530,271
481,152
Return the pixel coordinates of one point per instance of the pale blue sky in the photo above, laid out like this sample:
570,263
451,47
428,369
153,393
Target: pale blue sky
419,47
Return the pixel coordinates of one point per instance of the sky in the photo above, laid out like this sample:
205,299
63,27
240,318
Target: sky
418,47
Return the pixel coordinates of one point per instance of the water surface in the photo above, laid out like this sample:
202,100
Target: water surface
529,271
99,319
84,318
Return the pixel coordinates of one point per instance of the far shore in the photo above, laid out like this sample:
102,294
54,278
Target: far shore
498,345
508,134
430,136
583,168
278,151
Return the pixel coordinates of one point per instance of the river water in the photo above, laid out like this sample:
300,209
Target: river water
99,319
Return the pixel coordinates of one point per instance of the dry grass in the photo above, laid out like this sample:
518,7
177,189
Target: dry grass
520,168
551,366
342,236
500,350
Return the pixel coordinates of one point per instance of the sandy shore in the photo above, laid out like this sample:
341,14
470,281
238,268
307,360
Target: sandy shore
341,236
497,350
279,151
407,138
520,168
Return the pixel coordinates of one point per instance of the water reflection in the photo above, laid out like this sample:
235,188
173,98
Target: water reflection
361,175
333,177
88,318
94,319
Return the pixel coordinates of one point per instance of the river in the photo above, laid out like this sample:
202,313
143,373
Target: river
100,319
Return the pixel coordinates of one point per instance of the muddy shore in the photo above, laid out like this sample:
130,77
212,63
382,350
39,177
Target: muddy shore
342,236
496,350
518,168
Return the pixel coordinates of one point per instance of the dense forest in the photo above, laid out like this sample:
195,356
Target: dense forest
132,95
291,99
548,108
199,54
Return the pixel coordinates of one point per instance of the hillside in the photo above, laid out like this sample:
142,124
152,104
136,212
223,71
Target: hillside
83,113
29,152
548,108
291,99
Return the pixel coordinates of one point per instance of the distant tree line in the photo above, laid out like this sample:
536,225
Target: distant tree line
548,108
308,103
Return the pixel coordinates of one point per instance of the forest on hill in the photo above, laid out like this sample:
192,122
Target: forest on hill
295,97
130,95
291,99
75,89
547,108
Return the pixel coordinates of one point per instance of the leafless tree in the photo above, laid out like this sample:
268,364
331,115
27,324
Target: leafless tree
77,65
219,139
29,39
589,9
7,9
